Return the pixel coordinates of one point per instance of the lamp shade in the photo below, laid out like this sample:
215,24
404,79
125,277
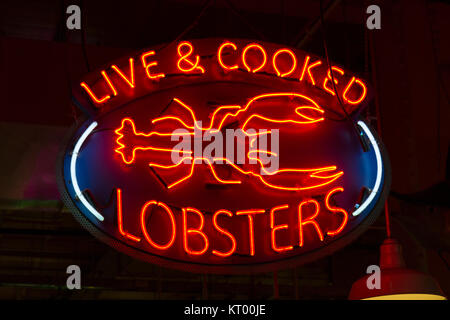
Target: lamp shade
396,281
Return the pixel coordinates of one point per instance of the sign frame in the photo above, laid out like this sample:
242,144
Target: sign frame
281,263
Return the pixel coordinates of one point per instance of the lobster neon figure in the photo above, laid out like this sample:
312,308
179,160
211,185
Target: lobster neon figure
283,110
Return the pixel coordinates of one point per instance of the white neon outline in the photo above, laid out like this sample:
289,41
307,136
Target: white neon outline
73,174
375,188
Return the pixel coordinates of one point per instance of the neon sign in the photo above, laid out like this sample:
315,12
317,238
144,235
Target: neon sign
224,156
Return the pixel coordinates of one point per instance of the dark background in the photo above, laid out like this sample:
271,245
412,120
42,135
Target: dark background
407,62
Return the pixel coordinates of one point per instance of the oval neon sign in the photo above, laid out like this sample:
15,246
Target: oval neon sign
224,156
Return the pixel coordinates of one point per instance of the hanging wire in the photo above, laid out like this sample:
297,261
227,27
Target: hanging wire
373,69
325,46
367,73
303,37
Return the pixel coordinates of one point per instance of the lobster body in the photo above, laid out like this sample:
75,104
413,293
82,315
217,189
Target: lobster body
248,152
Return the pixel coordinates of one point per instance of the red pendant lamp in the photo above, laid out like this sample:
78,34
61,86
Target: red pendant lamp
397,282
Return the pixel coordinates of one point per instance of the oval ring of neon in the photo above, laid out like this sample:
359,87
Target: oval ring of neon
377,184
73,173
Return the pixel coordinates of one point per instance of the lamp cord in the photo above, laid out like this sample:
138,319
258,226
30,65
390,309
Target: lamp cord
330,69
378,117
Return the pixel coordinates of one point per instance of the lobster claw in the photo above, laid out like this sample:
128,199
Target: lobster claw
310,114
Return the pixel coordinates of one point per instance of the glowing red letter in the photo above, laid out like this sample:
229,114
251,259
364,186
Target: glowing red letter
198,231
278,227
184,57
225,232
328,78
92,95
151,64
130,83
244,61
105,76
219,55
310,220
363,93
344,222
144,228
119,219
308,68
251,230
294,62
